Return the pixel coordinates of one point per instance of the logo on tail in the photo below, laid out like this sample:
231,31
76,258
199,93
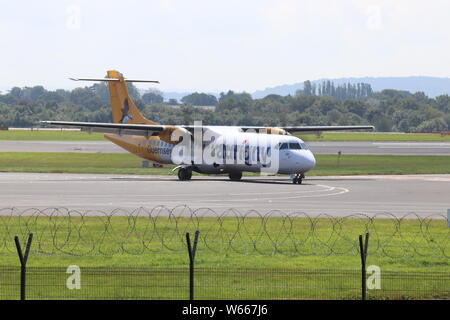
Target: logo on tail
125,115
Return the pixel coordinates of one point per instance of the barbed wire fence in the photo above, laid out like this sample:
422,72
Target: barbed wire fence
162,229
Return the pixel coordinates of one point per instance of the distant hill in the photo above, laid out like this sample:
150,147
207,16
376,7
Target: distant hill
432,86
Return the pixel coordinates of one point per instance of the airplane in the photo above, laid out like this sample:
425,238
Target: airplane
208,149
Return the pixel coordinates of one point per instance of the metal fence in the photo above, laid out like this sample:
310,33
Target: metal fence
218,283
60,233
162,229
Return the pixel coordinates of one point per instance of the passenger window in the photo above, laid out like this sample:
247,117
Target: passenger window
294,146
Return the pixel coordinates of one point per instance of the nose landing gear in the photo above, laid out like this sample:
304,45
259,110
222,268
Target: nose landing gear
298,178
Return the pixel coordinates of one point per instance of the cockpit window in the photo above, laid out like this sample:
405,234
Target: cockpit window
294,146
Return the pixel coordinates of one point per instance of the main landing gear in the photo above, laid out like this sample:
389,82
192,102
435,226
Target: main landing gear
235,176
184,174
298,178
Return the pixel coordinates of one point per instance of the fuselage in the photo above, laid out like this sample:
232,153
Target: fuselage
225,150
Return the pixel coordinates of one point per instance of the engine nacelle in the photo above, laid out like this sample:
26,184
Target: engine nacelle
166,134
276,131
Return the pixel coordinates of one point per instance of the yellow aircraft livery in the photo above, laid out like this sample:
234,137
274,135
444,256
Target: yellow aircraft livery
205,149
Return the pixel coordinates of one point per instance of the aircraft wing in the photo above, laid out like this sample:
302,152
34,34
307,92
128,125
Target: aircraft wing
325,128
304,129
117,128
154,130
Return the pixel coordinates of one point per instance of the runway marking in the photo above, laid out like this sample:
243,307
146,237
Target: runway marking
241,194
335,191
296,195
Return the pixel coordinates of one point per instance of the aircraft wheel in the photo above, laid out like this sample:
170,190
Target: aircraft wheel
298,179
184,174
235,176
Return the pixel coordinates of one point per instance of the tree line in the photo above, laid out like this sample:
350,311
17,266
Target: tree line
339,92
388,110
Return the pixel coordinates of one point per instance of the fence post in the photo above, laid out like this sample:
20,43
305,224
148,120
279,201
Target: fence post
23,263
363,247
192,249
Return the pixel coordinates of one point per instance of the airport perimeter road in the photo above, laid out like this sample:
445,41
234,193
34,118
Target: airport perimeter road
338,196
318,147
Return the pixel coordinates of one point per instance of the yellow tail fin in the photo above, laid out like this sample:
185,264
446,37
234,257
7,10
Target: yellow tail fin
123,108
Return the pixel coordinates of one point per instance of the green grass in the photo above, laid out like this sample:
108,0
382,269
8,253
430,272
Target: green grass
276,243
50,135
284,273
370,136
325,136
75,163
130,164
249,242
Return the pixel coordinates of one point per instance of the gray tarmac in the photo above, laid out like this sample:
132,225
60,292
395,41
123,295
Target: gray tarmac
317,147
423,195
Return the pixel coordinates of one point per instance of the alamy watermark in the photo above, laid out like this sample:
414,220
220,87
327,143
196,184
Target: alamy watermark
73,21
74,280
373,281
209,147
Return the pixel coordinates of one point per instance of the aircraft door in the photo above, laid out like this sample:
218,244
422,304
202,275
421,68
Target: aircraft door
285,154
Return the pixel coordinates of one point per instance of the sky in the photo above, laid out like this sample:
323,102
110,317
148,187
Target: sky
213,46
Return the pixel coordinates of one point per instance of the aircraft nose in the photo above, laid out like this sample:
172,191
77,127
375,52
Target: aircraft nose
310,161
305,161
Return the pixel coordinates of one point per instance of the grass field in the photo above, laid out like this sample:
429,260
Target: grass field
50,135
130,164
230,265
326,136
279,242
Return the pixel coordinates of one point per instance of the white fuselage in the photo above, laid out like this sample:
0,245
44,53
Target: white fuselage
227,149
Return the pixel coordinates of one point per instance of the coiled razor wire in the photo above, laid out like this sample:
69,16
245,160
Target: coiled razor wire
162,229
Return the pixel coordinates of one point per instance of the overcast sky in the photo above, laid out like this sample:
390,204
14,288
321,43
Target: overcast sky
220,45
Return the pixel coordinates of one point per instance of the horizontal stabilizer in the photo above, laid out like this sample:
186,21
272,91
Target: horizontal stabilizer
117,128
111,79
